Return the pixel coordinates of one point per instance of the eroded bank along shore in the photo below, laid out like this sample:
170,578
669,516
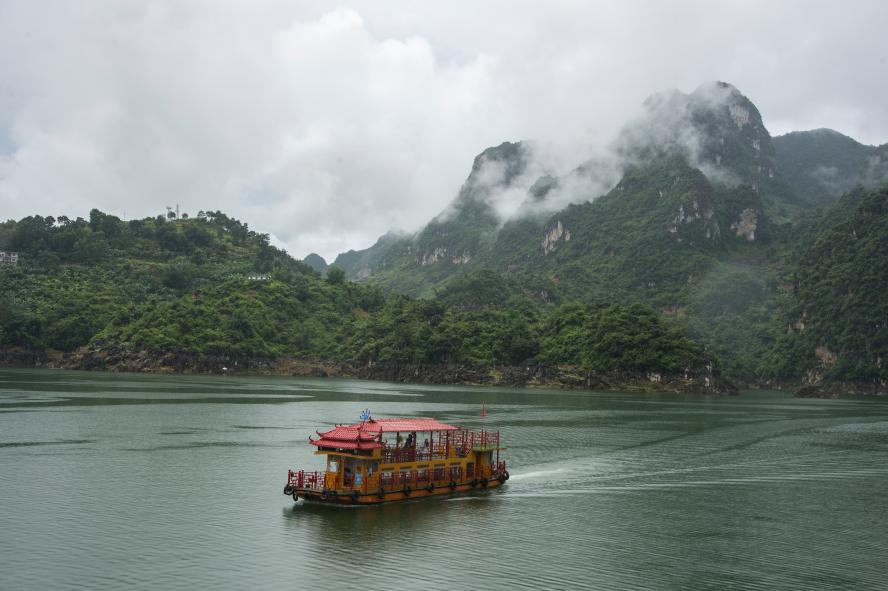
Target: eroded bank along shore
699,382
703,382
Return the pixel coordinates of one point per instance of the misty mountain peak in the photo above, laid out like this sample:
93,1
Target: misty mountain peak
508,158
715,128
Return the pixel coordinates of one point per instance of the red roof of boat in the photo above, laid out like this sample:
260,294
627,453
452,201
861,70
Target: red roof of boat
408,425
343,444
366,434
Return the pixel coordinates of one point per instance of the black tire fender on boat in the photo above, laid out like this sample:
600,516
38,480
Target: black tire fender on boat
407,491
380,493
505,476
452,485
354,496
474,482
430,488
295,496
484,482
288,490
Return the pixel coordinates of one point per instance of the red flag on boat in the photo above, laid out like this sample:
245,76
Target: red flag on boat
483,410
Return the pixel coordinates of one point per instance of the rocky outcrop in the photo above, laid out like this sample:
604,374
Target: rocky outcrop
553,235
440,254
703,382
549,376
838,389
746,225
22,357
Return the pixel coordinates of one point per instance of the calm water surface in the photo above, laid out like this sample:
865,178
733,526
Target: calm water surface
156,482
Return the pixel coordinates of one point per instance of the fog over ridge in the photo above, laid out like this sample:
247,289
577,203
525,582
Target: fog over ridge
328,126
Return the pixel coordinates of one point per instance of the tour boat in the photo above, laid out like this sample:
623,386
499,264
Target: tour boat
383,460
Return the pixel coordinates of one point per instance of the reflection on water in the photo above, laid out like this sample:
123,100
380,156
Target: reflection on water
174,482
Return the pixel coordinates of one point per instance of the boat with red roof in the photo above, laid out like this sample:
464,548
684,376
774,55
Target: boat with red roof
395,459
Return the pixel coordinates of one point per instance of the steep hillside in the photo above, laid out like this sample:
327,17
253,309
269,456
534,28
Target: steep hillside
822,164
697,226
452,239
835,321
715,134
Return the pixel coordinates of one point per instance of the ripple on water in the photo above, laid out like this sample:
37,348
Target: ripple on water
177,489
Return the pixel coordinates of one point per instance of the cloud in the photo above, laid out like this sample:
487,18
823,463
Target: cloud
328,126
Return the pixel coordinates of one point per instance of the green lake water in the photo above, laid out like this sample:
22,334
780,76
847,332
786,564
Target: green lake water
175,482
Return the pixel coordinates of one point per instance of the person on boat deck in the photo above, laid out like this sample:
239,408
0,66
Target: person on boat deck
425,445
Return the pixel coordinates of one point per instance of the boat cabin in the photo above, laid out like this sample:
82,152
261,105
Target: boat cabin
388,459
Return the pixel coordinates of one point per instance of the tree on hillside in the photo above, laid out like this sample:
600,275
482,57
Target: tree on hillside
335,275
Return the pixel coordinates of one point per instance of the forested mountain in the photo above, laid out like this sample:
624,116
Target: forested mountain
702,223
207,292
822,164
316,262
699,243
697,169
835,311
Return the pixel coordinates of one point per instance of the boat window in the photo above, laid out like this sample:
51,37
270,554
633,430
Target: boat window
333,464
470,469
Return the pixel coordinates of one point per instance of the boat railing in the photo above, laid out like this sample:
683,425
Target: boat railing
307,480
321,481
459,444
394,455
420,478
482,438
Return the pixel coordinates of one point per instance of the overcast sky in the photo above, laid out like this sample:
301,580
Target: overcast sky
325,125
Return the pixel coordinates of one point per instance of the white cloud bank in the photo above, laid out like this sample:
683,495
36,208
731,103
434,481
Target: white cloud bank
328,125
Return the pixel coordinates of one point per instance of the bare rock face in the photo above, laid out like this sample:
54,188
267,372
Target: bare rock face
747,224
553,235
739,113
825,355
434,256
440,254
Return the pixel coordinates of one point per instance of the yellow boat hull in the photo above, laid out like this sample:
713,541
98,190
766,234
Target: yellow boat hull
355,498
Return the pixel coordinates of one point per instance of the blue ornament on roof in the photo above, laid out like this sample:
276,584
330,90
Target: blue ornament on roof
365,415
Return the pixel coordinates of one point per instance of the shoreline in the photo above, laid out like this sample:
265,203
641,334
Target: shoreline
703,383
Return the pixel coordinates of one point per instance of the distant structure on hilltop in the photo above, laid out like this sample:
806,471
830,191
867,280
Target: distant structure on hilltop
9,257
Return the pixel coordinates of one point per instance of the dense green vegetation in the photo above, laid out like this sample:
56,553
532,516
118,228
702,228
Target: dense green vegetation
822,163
710,247
835,315
713,224
209,286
